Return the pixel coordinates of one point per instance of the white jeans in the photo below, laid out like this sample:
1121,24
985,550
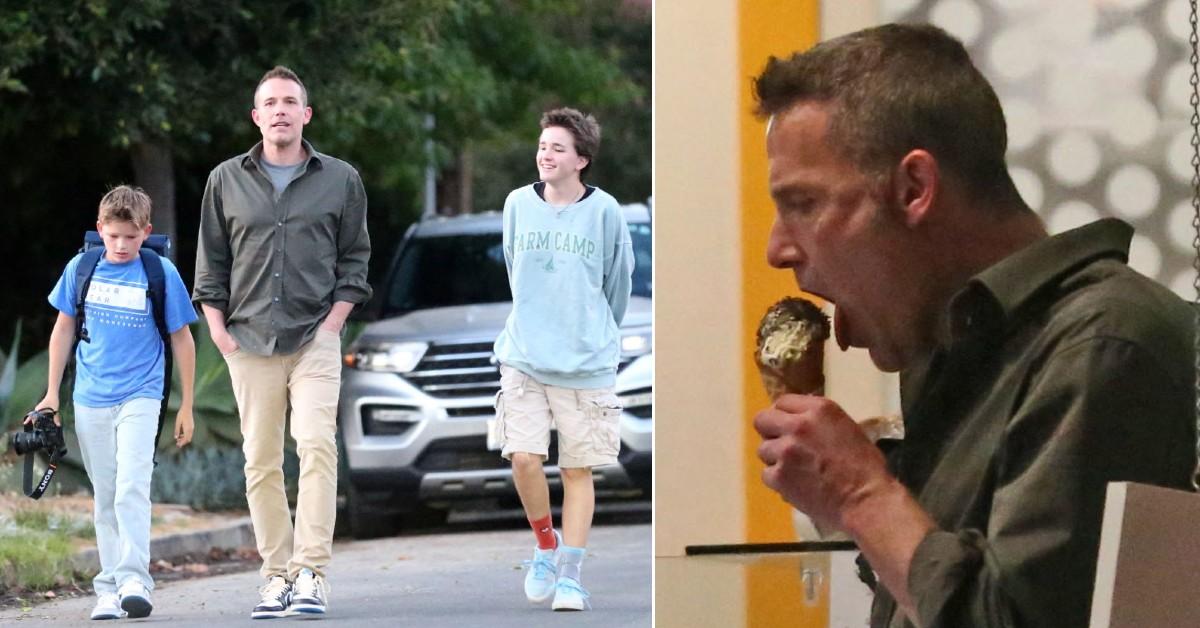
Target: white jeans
117,444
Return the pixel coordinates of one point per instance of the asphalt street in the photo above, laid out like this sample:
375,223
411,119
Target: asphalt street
463,577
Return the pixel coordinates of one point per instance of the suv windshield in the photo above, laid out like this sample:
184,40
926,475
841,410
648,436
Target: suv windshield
468,269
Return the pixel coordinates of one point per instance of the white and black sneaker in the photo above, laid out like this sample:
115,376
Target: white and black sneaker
308,593
276,596
108,606
135,598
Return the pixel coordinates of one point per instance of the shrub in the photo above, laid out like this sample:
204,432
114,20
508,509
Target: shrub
211,478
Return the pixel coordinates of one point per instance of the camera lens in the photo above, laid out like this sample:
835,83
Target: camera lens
23,442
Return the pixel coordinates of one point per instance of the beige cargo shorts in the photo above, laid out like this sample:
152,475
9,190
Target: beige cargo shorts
587,421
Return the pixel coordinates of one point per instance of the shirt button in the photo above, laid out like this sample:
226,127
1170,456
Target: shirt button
279,224
276,299
276,275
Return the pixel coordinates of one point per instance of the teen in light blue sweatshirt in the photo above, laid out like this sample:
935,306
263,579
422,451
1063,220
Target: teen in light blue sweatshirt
570,266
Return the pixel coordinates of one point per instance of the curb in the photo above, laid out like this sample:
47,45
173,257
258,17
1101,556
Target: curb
239,533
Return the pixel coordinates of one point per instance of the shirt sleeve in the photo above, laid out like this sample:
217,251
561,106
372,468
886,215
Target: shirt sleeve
354,245
1103,410
509,219
213,256
618,267
179,308
62,297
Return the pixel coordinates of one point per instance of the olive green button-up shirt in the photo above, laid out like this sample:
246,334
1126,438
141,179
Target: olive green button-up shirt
1064,370
275,266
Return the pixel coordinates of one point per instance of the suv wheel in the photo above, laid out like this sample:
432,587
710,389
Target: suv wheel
356,516
365,520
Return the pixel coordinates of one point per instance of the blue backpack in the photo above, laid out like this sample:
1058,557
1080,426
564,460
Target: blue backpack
153,248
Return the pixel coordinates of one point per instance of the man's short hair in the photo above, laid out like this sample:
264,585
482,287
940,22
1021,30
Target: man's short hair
125,203
583,129
895,88
282,72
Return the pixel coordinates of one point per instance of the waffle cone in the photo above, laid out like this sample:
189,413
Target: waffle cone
802,377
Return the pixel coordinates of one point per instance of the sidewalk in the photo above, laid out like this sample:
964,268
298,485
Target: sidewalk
453,579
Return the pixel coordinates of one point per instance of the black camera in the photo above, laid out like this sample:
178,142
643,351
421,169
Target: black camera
41,435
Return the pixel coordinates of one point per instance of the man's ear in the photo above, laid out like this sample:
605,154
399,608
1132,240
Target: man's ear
916,185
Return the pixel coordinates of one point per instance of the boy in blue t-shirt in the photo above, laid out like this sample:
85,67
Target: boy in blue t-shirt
118,392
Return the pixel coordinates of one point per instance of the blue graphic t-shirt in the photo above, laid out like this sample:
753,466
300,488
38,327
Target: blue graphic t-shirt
124,359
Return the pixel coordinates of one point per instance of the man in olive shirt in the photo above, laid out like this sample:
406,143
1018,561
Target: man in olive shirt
1034,369
281,262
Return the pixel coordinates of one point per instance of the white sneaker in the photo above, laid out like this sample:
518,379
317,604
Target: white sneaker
569,595
308,593
276,595
543,569
108,607
135,598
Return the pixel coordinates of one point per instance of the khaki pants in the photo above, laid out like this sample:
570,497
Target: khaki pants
263,386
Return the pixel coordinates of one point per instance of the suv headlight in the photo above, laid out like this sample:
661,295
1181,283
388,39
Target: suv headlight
394,357
636,344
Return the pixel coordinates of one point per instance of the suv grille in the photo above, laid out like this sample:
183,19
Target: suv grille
457,370
464,369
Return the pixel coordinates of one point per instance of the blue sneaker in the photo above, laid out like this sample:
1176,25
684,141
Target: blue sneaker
543,569
569,595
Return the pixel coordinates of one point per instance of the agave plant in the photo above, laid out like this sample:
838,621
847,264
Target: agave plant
8,374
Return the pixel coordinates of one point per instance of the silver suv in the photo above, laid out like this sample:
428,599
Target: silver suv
419,383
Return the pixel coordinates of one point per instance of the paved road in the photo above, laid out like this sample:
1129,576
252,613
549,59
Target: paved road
464,578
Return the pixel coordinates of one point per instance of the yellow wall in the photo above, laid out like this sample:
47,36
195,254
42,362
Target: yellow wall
765,29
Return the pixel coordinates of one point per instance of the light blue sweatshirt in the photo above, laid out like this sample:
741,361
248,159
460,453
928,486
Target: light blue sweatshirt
570,271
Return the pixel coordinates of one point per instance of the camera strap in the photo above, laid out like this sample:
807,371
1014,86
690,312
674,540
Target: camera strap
55,456
36,492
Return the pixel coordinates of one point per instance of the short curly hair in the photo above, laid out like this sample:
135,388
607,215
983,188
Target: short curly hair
582,127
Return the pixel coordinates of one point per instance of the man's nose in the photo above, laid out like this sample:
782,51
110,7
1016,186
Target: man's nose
782,250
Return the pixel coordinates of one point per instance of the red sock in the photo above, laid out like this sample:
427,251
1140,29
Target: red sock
543,529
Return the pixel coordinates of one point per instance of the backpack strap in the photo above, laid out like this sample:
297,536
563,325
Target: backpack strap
83,281
156,280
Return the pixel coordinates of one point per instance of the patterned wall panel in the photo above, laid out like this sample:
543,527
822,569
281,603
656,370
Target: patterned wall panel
1096,97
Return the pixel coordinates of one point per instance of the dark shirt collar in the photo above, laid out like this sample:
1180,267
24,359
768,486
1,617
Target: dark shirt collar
253,157
994,296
